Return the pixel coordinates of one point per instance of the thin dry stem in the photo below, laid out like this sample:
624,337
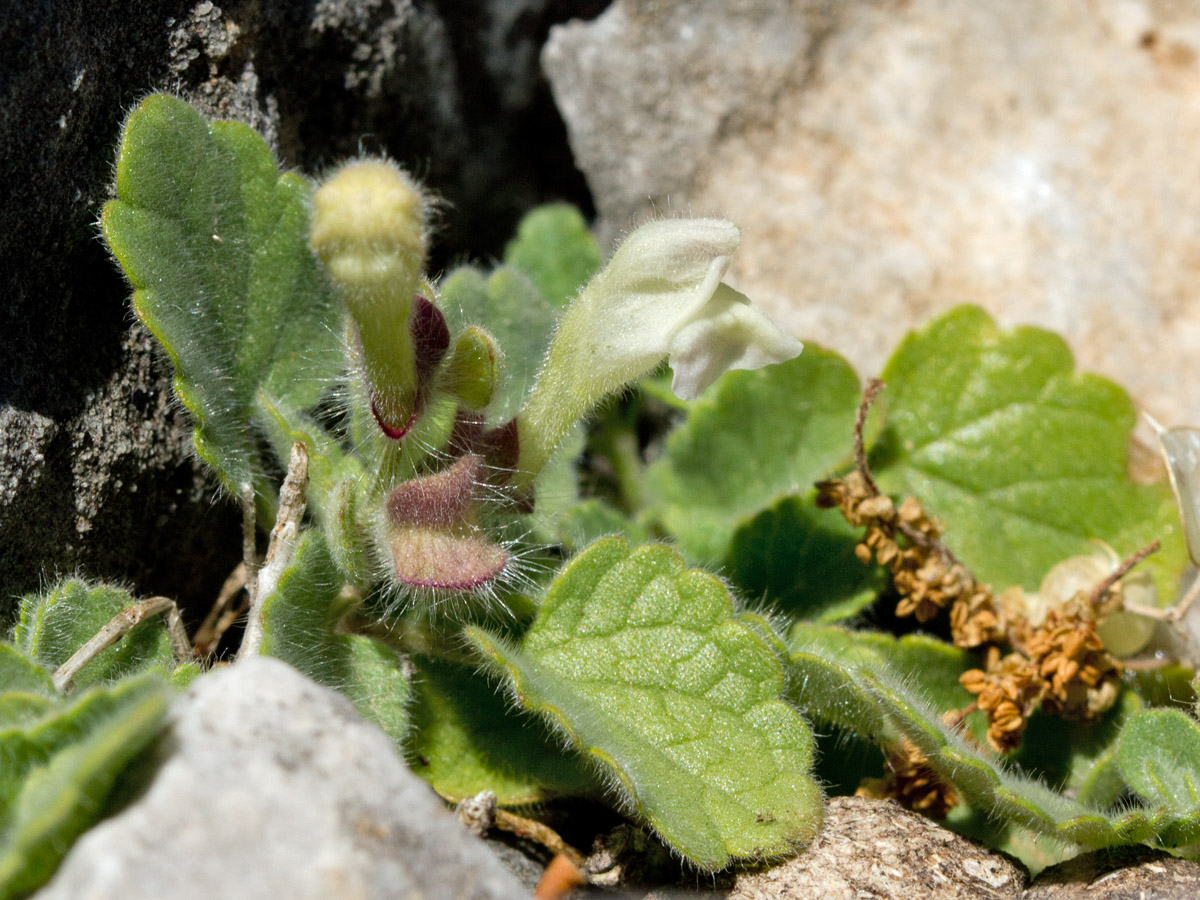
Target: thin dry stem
249,539
537,831
1100,590
1172,614
282,548
119,626
872,390
208,634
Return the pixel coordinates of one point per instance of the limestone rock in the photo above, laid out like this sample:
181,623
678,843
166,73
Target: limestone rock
270,786
1126,873
873,848
888,159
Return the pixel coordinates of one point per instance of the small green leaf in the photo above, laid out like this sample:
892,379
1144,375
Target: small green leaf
555,250
56,775
645,666
801,560
215,243
1159,756
1024,459
751,439
465,740
508,306
582,523
53,625
298,627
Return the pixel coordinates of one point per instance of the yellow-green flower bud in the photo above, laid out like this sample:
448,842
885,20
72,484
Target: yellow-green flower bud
369,228
471,374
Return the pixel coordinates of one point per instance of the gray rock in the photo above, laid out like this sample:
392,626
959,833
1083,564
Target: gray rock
271,786
1126,873
888,159
96,469
873,848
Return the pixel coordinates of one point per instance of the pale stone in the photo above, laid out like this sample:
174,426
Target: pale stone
889,160
272,786
873,848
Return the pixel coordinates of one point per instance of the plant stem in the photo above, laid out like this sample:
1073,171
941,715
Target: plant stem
119,626
282,548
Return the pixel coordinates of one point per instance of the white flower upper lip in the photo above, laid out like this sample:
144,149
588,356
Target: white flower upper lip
664,284
660,297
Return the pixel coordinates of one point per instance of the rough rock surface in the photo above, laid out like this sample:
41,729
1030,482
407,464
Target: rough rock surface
271,786
888,159
1127,873
96,473
874,849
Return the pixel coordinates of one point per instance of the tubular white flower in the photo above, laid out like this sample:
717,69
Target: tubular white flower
660,297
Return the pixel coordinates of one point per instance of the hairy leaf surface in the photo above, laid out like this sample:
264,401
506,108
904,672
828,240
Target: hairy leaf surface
1023,458
751,439
298,627
57,771
214,241
53,625
644,665
466,739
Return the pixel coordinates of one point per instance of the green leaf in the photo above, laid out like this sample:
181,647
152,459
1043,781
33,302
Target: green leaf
509,307
56,775
18,673
801,560
1159,756
582,523
645,667
465,740
1079,758
298,627
554,248
928,666
53,625
842,684
215,243
751,439
1024,459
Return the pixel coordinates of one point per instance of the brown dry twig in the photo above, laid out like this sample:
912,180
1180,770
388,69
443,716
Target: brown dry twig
539,832
209,633
926,574
282,547
119,626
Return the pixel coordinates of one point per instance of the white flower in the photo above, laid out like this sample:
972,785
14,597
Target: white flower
660,297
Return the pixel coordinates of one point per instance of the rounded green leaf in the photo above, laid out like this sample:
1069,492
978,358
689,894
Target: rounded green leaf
214,241
555,250
1159,755
645,666
1024,459
465,739
753,438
